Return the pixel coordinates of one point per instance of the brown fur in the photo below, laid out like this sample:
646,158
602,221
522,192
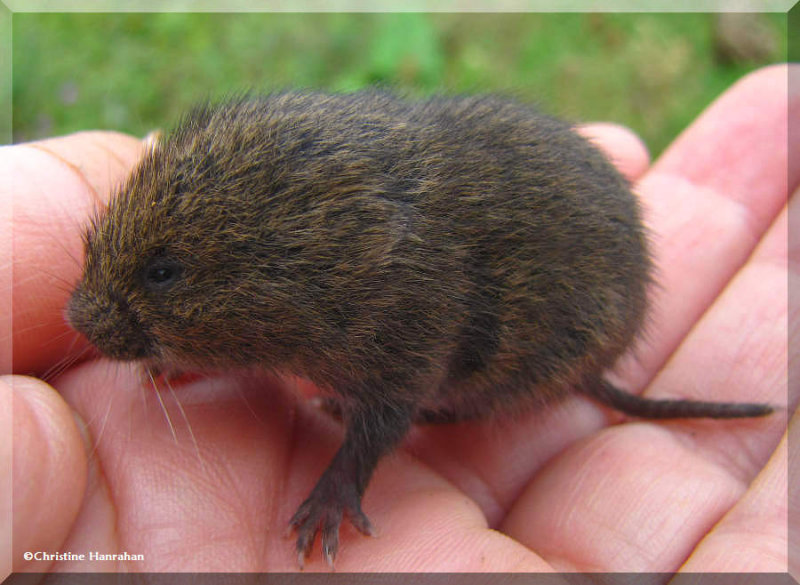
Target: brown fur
432,260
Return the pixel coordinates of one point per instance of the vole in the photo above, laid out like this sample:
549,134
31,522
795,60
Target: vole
424,261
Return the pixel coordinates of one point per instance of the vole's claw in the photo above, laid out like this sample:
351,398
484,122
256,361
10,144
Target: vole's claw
329,552
360,521
305,540
322,512
330,537
314,517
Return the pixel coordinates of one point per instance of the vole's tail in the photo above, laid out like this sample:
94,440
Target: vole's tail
649,408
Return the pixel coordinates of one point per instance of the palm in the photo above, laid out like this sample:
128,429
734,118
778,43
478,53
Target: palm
213,487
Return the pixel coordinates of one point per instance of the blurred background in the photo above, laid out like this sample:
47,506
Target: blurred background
138,72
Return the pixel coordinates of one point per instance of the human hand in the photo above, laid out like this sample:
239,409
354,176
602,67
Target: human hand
213,487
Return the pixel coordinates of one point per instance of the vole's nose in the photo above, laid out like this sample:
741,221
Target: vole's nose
109,325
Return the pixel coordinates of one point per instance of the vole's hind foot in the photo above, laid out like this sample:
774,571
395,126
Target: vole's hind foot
322,512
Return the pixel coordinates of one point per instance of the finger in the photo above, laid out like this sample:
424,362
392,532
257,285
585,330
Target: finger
739,147
623,147
738,351
704,229
604,506
757,524
59,183
49,469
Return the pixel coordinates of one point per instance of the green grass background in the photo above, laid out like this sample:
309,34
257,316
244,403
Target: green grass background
137,72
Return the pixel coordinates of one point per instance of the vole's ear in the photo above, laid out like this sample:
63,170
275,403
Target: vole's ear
152,141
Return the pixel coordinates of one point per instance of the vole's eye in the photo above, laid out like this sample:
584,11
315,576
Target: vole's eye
161,273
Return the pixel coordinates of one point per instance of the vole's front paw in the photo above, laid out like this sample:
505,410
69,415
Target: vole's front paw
322,511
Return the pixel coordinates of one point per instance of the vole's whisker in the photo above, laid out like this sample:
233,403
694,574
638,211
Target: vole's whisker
69,359
246,402
163,407
73,343
104,422
68,285
142,388
188,424
61,365
34,327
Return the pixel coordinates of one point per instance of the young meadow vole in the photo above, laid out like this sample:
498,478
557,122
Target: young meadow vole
424,261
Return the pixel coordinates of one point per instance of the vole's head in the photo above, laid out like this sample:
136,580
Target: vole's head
174,264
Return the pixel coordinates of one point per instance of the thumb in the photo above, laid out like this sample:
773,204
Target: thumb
49,470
